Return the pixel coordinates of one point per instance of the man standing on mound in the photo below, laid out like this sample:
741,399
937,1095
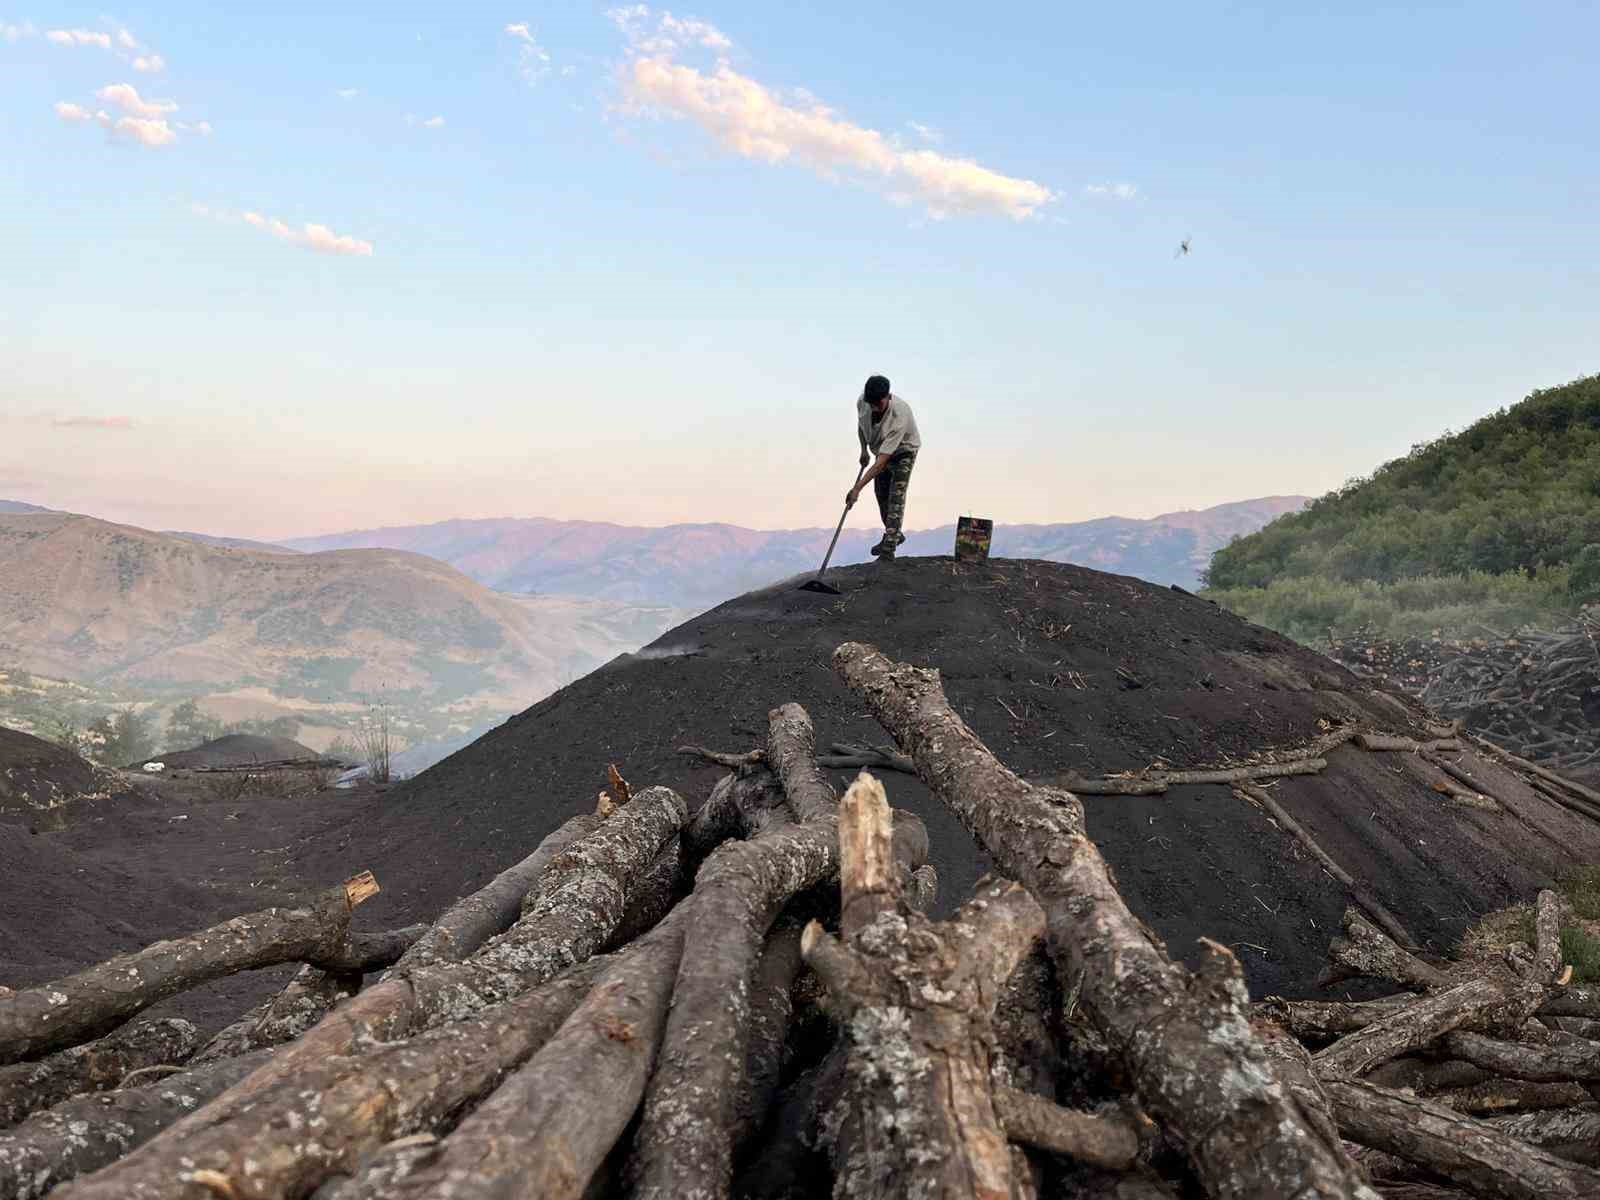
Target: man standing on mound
885,427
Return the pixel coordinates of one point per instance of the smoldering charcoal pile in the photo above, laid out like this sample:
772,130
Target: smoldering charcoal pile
752,1002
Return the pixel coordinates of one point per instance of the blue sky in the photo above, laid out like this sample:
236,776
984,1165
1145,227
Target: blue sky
292,268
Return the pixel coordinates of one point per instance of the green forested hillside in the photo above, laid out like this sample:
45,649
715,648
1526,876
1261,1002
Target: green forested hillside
1498,524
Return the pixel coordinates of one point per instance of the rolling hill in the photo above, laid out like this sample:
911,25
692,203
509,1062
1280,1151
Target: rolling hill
1497,524
696,566
113,605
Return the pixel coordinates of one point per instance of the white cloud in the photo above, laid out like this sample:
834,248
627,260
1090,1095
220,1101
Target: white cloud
433,123
150,64
533,60
15,33
1114,191
203,128
749,119
926,132
310,237
144,130
79,37
75,113
126,40
348,93
651,33
126,97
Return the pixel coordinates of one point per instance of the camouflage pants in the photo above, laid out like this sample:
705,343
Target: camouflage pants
890,488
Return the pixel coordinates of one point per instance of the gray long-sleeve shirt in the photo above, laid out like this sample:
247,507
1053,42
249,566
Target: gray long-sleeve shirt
896,432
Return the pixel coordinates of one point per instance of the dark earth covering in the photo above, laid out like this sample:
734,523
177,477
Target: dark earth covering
238,750
1057,667
36,775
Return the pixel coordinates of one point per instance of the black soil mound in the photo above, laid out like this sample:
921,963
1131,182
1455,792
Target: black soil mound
37,776
238,750
1059,669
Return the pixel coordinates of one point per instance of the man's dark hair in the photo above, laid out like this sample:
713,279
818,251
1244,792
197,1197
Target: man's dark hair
877,388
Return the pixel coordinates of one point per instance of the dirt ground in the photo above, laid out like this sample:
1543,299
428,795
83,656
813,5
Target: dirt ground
1058,668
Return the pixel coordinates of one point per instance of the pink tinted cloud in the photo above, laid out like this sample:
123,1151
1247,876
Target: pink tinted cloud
93,422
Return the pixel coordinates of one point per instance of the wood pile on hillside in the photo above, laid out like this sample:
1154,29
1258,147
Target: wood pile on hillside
751,1001
1535,693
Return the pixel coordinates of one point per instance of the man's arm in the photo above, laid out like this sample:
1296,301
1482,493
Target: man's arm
870,474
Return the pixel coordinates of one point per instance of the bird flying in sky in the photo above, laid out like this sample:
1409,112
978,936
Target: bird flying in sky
1183,247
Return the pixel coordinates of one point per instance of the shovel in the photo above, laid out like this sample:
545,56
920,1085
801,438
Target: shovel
816,585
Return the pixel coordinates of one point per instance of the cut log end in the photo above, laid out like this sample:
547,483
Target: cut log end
358,889
214,1182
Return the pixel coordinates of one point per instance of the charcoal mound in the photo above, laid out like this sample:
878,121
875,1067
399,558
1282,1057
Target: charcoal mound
1060,670
239,750
37,776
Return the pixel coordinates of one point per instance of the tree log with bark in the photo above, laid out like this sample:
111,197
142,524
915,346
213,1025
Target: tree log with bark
576,906
1245,1135
93,1130
96,1067
915,1000
40,1019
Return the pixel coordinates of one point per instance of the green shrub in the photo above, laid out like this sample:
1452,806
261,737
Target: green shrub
1583,583
1583,953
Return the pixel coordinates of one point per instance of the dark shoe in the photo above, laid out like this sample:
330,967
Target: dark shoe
886,555
881,549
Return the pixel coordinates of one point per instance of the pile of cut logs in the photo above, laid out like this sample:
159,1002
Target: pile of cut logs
752,1001
1537,693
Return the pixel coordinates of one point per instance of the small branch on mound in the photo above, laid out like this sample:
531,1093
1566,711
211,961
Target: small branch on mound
82,1006
92,1131
720,758
1471,1154
916,1001
1154,783
1358,892
1571,786
1184,1039
96,1067
1383,741
881,758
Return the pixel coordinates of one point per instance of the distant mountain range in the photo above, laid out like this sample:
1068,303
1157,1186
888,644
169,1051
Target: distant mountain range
697,566
88,600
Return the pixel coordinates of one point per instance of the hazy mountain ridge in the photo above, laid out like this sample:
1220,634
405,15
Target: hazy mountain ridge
698,565
85,599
